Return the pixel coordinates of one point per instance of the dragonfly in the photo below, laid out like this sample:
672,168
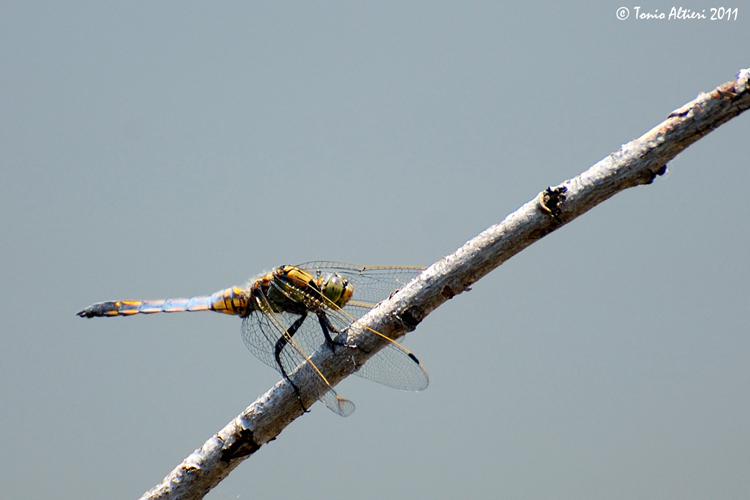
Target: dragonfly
292,311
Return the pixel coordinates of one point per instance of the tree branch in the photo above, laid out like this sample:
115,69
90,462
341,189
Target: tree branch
638,162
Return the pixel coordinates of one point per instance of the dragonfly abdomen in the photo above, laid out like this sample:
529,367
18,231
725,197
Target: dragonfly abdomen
228,301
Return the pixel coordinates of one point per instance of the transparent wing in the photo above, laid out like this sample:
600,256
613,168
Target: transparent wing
394,365
371,283
261,332
266,335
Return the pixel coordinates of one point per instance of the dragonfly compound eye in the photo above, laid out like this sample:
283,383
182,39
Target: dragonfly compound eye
337,290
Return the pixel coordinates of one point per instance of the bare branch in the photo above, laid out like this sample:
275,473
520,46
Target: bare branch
638,162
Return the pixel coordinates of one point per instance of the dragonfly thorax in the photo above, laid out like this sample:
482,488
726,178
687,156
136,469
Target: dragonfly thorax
295,290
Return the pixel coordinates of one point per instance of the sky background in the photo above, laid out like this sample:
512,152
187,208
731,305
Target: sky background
169,149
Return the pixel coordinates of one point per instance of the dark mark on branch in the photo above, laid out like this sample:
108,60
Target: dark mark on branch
550,199
244,445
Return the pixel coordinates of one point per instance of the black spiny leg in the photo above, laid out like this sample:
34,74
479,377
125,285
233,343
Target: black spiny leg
280,344
328,329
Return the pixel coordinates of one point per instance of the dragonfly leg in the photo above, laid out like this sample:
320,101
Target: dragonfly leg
328,328
280,344
299,395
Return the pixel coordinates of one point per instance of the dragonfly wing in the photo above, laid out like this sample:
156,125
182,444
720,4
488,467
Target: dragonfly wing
394,365
371,283
263,331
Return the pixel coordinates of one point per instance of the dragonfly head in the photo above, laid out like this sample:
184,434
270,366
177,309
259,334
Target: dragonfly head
336,289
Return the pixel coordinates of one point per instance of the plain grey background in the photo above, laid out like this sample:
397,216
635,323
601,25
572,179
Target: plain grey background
169,149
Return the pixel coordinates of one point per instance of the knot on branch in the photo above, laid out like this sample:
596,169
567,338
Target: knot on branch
550,199
241,447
